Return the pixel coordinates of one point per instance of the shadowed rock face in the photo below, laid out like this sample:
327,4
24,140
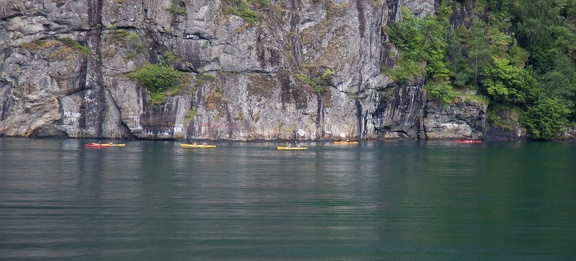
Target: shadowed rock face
464,118
401,115
247,81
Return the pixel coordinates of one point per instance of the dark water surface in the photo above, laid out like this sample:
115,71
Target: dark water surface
247,201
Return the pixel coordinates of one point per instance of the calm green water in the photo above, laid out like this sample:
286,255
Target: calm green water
247,201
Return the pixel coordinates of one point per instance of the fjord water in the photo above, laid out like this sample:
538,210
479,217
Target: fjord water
247,201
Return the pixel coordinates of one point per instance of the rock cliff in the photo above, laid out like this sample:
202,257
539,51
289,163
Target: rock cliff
64,66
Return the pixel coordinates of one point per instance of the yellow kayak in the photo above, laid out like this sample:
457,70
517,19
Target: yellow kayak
291,148
192,146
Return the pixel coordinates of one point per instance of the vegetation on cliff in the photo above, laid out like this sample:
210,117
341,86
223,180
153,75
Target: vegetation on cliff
520,54
318,84
243,8
158,79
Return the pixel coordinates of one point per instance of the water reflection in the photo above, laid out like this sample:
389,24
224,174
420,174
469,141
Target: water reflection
155,200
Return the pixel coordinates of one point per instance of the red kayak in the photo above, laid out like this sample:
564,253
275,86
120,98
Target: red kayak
469,141
97,145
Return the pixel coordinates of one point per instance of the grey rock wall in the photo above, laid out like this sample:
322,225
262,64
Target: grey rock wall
464,118
50,88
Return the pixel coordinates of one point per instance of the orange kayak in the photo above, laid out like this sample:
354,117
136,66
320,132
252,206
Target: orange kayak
469,141
345,142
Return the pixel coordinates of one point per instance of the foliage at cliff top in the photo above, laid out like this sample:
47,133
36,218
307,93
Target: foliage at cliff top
518,53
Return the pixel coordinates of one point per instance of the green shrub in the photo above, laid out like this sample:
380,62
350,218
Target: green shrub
318,84
547,119
202,79
169,57
34,45
327,74
158,79
512,115
495,120
242,9
191,114
406,71
248,15
84,50
129,40
441,91
176,11
118,35
422,46
506,83
261,2
158,97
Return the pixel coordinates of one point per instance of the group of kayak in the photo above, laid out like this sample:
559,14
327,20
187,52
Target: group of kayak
207,146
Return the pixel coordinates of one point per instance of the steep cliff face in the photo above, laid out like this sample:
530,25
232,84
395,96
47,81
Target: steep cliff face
64,65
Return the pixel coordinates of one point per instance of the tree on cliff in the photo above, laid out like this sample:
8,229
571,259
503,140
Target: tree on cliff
518,53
